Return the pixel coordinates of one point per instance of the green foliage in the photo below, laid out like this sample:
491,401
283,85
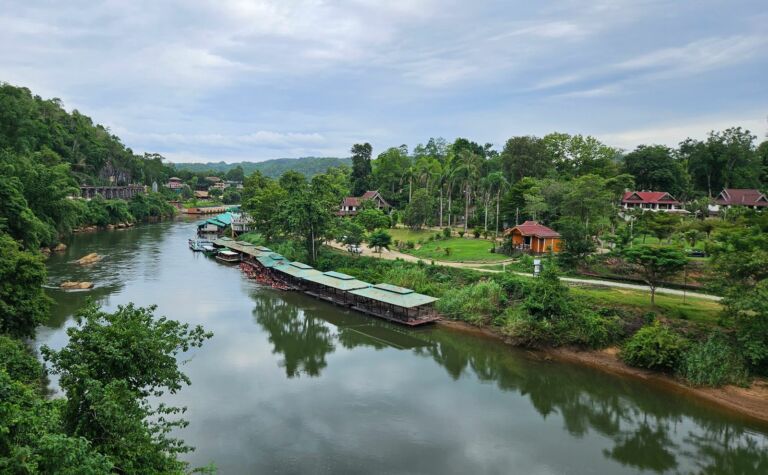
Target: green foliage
548,298
477,303
656,263
419,210
655,347
307,166
447,232
19,363
713,362
372,218
231,196
23,304
150,206
655,168
379,239
361,168
111,367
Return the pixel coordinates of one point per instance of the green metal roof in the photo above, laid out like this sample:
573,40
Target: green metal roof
263,249
330,279
296,269
268,261
394,295
394,288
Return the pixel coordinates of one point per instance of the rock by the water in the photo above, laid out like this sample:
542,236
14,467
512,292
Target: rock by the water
89,259
60,247
69,285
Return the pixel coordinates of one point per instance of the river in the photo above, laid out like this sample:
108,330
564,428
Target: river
289,384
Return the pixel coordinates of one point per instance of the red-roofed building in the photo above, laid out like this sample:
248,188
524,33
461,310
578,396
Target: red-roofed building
651,200
534,237
352,204
740,197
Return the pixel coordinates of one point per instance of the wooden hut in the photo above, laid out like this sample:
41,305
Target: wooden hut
534,238
396,304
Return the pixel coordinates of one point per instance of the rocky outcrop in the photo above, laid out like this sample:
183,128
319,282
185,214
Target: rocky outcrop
60,247
70,285
89,259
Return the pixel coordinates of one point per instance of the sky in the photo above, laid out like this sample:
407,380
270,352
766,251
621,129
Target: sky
234,80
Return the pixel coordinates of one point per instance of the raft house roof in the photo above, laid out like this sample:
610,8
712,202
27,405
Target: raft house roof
296,269
222,220
270,260
394,295
336,280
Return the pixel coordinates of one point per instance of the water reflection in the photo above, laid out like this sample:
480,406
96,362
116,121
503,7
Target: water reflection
292,384
302,340
646,431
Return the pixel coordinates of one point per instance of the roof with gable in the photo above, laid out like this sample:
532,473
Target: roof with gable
295,269
533,228
368,195
648,197
394,295
741,196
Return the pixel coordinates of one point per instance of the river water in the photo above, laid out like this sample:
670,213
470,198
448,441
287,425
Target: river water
289,384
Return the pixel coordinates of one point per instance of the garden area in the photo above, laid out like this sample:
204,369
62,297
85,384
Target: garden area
435,245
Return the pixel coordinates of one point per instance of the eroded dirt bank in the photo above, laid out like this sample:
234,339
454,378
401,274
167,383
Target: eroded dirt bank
751,402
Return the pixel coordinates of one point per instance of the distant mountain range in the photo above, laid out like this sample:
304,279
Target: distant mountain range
308,166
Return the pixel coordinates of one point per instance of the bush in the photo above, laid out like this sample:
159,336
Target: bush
477,303
461,233
654,347
515,286
448,251
409,244
476,232
713,362
447,232
593,330
438,236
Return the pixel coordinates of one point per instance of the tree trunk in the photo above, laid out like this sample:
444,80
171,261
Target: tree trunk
466,206
497,214
441,206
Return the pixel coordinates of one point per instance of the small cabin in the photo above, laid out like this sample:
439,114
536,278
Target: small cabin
740,197
352,204
534,238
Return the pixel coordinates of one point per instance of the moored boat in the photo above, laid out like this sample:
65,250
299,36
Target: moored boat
199,244
228,256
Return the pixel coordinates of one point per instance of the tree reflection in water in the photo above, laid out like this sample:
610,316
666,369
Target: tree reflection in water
303,340
648,432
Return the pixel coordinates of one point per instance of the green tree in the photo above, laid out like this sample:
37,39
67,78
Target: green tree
372,218
264,207
112,367
655,168
525,156
419,210
379,239
361,168
655,264
23,304
236,174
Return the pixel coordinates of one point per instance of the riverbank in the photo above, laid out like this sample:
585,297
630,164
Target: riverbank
750,402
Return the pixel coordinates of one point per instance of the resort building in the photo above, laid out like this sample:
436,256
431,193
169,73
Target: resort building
731,197
534,238
651,201
352,204
175,183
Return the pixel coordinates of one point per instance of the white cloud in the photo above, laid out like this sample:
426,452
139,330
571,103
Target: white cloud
674,132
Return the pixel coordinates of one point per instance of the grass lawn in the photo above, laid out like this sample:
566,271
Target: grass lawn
671,306
406,234
461,250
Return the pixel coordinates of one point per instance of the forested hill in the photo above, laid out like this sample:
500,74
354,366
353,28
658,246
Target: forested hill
43,131
308,166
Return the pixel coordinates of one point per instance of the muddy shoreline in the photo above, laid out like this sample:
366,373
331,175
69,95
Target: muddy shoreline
750,402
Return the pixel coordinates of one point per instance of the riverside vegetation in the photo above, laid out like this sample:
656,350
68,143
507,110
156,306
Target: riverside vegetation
114,363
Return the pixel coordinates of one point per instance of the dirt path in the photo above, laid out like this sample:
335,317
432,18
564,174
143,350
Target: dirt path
392,255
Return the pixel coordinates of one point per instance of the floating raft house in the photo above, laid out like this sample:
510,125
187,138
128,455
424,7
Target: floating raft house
386,301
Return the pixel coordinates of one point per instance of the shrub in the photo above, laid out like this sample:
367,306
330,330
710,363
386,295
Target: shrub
447,232
409,244
448,251
476,232
477,303
593,330
438,236
515,286
654,347
548,298
713,362
461,233
410,277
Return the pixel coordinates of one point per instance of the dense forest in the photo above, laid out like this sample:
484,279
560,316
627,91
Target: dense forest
274,168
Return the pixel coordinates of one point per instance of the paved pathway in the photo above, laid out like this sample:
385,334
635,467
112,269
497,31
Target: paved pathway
392,255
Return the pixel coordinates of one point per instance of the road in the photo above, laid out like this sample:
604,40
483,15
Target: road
392,255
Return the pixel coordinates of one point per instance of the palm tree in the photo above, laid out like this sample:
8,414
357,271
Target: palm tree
497,181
